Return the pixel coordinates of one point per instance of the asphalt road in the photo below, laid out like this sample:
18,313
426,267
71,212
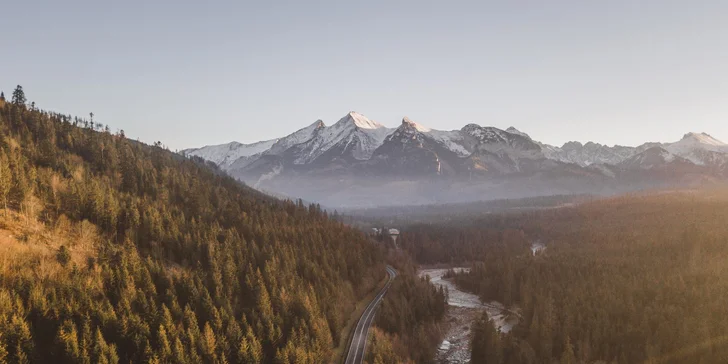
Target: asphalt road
358,345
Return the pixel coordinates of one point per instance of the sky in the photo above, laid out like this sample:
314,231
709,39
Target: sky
194,73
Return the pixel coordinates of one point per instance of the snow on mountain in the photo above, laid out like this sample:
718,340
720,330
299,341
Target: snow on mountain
652,158
667,156
703,140
226,154
355,159
353,132
407,131
499,141
553,153
298,137
588,154
410,150
355,138
513,130
485,134
416,126
700,148
450,140
362,122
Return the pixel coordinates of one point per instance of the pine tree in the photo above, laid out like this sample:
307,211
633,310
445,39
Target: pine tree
250,349
179,352
68,339
99,348
63,255
208,344
19,96
86,341
165,350
486,347
23,338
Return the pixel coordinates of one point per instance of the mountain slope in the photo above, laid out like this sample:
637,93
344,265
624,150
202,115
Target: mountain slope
227,154
414,150
116,251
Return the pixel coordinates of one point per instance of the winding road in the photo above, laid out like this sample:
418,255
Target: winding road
358,345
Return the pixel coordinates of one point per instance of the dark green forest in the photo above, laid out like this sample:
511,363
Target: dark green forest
114,251
633,279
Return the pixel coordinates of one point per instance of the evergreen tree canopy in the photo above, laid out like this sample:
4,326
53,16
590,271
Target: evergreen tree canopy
19,96
123,252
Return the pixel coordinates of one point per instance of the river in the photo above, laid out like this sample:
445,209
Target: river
465,308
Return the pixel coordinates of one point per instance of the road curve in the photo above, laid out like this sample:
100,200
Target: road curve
358,345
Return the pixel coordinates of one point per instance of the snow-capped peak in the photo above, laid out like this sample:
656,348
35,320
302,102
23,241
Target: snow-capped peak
700,148
407,121
353,133
701,138
699,141
360,121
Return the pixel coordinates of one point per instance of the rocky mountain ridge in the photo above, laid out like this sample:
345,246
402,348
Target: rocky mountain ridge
355,154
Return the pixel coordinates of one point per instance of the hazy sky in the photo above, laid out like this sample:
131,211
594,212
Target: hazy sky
191,73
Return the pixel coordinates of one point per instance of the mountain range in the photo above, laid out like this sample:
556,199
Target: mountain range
359,162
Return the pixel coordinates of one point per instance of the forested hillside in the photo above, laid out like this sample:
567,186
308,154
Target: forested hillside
113,251
639,278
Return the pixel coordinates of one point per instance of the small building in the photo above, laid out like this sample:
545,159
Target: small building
394,234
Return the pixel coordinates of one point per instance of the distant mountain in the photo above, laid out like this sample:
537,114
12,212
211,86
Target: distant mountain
359,162
226,154
656,158
589,153
699,148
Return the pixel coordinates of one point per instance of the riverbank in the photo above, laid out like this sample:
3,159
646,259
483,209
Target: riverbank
465,308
